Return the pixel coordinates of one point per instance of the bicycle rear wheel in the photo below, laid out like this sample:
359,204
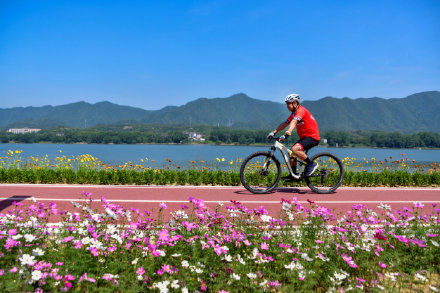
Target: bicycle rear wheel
329,174
260,172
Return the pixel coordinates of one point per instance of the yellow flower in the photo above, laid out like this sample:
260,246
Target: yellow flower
223,159
218,159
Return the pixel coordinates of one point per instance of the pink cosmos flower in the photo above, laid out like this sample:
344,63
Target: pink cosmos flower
163,206
140,271
247,243
12,232
382,265
94,251
203,286
164,235
13,270
418,205
69,277
274,284
431,235
67,239
189,226
84,277
349,260
264,246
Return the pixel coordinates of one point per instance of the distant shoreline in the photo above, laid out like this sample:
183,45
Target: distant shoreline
224,144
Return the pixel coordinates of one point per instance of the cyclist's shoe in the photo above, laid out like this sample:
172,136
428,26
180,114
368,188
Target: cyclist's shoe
311,168
289,177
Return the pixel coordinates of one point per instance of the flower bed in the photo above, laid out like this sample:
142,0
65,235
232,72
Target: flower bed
226,249
86,169
199,177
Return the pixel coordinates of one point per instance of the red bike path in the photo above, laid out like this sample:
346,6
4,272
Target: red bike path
149,197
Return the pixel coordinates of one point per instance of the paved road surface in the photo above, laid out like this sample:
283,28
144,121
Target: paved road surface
149,197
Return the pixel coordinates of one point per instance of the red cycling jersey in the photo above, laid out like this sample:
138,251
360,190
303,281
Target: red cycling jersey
307,125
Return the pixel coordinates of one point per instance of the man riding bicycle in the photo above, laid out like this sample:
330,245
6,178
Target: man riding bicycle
308,133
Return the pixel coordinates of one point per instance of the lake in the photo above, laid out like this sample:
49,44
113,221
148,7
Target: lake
181,154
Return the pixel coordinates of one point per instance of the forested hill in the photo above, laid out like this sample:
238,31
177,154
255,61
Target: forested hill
418,112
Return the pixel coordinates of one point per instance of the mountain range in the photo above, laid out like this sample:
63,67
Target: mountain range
417,112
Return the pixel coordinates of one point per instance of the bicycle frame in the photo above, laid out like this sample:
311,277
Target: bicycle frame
283,149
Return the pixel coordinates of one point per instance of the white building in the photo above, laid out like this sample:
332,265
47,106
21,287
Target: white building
23,130
195,136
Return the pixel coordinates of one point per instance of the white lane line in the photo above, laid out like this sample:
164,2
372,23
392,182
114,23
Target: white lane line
217,201
208,187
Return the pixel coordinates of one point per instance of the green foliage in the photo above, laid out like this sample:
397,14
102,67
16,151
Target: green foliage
219,135
199,177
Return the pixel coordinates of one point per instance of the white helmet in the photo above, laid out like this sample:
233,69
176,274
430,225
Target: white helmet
292,98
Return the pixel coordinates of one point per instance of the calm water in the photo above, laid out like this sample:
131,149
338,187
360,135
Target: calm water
181,154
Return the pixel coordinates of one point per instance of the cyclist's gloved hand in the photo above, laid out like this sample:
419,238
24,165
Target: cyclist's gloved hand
284,137
271,135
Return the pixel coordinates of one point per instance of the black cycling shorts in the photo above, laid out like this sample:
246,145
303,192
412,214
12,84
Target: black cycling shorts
306,143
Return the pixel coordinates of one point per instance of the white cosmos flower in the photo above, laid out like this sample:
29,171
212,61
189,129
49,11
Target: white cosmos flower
38,252
26,259
185,264
85,240
435,243
420,277
384,207
265,218
29,237
199,271
251,275
235,276
111,214
306,257
163,286
286,206
184,290
175,284
36,275
340,276
95,217
433,288
135,261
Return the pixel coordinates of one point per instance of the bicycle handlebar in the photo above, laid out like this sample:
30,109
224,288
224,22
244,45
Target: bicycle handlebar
274,138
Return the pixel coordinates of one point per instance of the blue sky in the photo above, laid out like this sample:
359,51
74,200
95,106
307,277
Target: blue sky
151,54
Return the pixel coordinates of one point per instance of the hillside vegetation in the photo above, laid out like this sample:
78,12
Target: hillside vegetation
418,112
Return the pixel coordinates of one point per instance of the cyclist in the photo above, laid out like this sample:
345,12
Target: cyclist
308,133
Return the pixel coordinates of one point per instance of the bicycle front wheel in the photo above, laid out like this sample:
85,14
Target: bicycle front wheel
329,174
260,172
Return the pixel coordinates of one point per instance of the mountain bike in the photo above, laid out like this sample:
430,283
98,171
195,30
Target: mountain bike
260,172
